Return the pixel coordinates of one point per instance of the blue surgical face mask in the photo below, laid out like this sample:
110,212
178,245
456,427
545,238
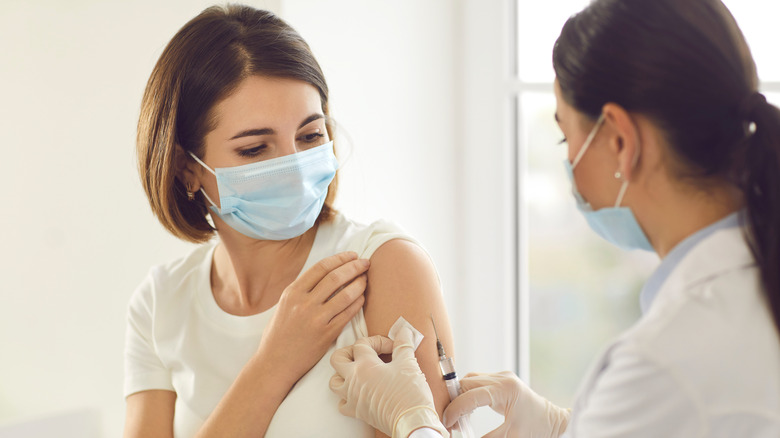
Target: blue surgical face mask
275,199
615,224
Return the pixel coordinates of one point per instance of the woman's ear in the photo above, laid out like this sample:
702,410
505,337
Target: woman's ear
187,170
625,143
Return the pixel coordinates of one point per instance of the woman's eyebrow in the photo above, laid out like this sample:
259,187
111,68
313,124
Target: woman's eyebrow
252,132
311,118
269,131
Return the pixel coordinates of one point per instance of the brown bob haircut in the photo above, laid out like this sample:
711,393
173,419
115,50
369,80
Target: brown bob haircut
203,64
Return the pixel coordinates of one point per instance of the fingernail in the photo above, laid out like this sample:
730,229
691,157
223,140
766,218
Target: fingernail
365,262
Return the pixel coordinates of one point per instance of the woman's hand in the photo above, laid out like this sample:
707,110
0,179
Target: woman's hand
312,311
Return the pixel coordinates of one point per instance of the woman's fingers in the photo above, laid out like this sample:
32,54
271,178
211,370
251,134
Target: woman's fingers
345,297
314,275
337,322
332,283
304,313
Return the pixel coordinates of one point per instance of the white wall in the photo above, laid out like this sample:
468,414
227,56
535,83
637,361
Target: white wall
389,66
78,235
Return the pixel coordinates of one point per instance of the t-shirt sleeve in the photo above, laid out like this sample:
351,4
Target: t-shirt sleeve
376,235
143,368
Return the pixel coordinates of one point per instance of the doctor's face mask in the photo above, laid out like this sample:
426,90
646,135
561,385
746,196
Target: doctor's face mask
275,199
615,224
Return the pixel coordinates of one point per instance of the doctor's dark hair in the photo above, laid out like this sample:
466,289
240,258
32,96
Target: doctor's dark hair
202,65
685,65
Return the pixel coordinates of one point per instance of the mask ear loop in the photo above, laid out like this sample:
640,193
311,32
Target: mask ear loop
208,199
621,193
202,163
588,141
212,172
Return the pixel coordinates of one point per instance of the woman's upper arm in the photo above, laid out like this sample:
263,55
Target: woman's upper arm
149,414
402,281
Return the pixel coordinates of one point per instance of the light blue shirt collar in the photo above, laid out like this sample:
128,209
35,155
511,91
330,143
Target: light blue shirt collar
654,283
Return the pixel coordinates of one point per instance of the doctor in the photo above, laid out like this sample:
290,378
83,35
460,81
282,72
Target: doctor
671,149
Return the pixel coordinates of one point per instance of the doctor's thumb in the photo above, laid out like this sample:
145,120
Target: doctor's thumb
380,344
403,344
463,404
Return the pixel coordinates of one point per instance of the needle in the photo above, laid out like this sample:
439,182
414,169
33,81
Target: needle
438,342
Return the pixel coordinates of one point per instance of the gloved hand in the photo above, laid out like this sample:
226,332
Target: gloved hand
526,414
392,397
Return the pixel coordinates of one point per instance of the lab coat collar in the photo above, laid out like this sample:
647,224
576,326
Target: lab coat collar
691,246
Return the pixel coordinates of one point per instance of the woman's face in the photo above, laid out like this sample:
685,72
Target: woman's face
594,174
265,118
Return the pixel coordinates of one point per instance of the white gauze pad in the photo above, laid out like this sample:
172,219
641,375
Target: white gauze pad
402,324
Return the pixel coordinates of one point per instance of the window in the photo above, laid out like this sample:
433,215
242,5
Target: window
576,291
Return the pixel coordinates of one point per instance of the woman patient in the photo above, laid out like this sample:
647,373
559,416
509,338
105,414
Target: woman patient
235,152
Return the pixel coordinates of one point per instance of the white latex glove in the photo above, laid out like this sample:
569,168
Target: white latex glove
392,397
526,414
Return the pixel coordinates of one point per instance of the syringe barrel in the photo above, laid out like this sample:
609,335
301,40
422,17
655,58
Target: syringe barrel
447,368
453,388
450,377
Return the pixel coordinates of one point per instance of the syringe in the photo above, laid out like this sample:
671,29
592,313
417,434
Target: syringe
453,385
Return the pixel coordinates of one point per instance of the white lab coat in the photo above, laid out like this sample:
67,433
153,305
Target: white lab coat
704,361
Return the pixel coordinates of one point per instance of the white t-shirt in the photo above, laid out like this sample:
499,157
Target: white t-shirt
179,339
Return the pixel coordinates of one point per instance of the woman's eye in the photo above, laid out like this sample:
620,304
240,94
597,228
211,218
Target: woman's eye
311,138
251,152
562,141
